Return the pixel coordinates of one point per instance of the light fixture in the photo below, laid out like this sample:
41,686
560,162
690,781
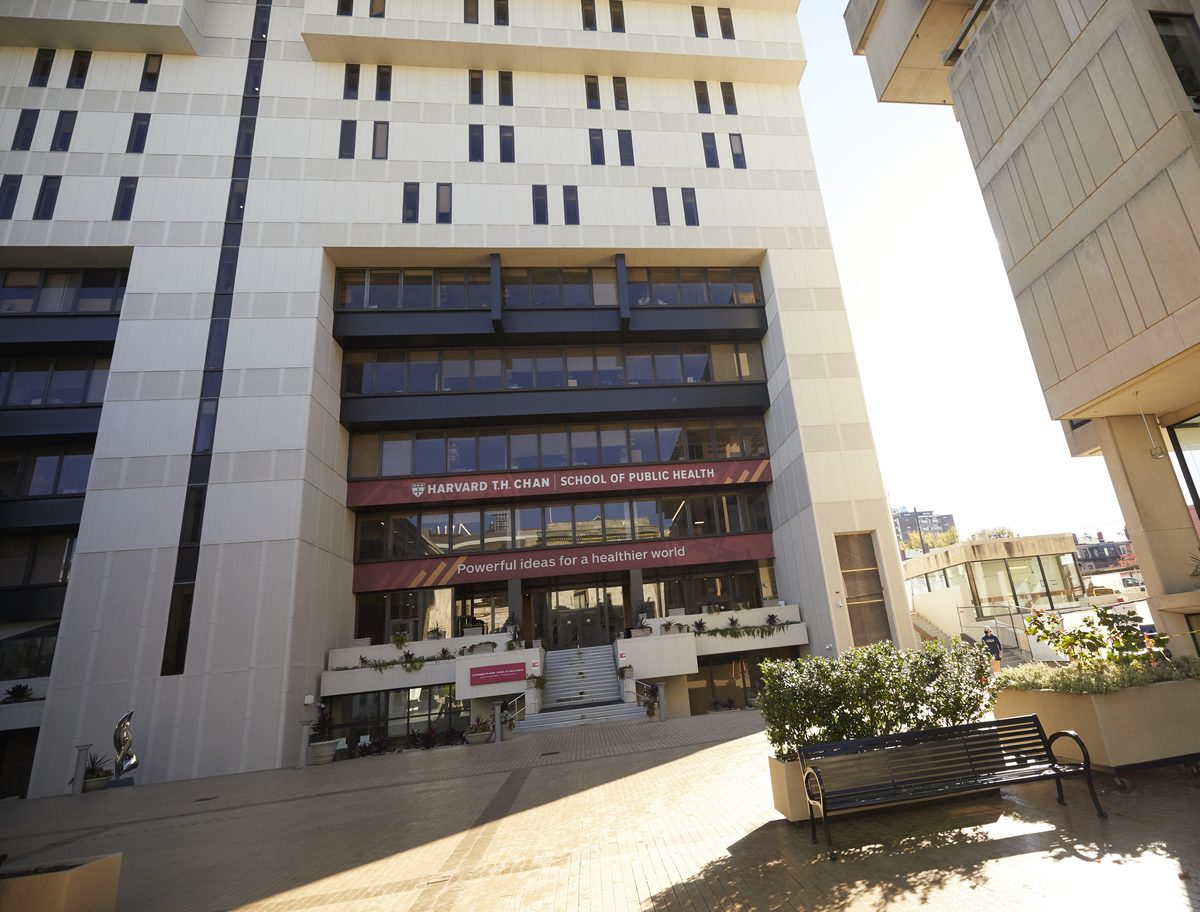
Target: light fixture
1156,452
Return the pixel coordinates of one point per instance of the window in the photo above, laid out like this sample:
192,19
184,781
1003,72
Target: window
138,128
625,146
475,142
702,105
179,615
726,20
865,603
10,185
36,560
376,9
443,204
412,193
26,124
591,88
346,145
45,471
61,140
501,12
471,11
690,215
42,63
79,69
735,147
345,8
616,12
506,88
727,98
661,215
710,150
60,291
507,145
262,22
383,83
596,141
571,205
541,214
350,83
62,381
1182,43
620,93
236,208
29,654
379,147
123,207
150,71
475,87
47,197
698,22
245,137
254,71
589,15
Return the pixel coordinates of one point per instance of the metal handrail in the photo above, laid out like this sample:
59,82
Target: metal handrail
516,707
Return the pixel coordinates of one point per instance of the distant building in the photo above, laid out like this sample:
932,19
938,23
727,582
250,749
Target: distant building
1094,553
907,521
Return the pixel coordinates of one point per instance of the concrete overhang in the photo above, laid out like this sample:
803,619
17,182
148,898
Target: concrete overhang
99,25
989,549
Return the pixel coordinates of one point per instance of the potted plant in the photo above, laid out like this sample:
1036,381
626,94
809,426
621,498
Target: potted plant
699,627
479,731
435,633
641,629
96,775
651,700
731,703
322,741
514,639
482,648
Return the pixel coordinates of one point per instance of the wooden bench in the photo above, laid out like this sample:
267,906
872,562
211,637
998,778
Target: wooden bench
916,765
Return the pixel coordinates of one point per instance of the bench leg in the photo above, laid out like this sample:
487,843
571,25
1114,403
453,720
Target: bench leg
828,840
812,820
1058,783
1100,812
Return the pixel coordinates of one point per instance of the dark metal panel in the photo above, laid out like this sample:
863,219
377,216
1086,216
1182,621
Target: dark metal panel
49,422
38,512
396,329
58,334
462,409
32,603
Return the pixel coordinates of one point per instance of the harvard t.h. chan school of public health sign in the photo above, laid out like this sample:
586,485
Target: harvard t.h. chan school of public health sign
603,480
379,576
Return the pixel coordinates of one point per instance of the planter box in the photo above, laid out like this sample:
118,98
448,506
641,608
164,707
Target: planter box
787,789
640,632
90,885
95,785
478,737
323,751
1135,725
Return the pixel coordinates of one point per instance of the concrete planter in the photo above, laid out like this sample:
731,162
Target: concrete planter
641,632
478,737
1135,725
323,751
787,788
94,785
88,885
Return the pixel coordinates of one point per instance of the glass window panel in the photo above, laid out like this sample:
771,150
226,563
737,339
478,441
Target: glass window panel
406,535
704,520
372,537
585,450
523,448
617,527
558,526
352,289
385,289
729,514
456,371
750,362
479,284
545,291
460,451
514,287
67,381
604,287
589,527
493,450
96,292
10,464
41,465
700,439
693,287
637,280
759,517
646,521
665,286
28,385
581,369
20,288
666,364
550,368
98,380
614,444
396,454
1026,576
696,368
671,446
610,366
466,538
576,289
724,289
364,455
58,292
749,287
724,363
675,517
555,453
435,532
528,527
497,529
487,369
754,437
52,561
418,289
518,368
430,453
14,556
639,365
389,373
642,445
991,583
452,287
422,372
729,441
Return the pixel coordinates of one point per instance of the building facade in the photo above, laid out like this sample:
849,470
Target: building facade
906,522
329,321
1081,120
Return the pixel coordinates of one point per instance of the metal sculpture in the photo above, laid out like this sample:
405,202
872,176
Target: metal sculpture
123,742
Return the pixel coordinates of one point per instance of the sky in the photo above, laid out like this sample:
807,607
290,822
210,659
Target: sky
958,417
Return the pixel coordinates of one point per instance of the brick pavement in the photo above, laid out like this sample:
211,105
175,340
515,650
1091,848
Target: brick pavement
627,816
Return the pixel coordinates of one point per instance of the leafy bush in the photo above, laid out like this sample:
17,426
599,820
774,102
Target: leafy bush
1091,678
875,690
322,727
1108,636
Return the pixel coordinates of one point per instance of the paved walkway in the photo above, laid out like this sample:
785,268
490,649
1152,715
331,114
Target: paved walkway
630,816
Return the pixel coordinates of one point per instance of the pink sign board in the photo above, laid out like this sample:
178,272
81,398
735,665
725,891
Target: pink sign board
497,674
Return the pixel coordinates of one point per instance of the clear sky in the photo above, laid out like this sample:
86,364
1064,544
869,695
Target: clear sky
958,417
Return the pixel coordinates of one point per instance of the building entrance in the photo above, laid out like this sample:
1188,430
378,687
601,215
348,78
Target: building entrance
577,627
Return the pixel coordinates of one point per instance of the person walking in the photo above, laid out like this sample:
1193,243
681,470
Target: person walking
992,642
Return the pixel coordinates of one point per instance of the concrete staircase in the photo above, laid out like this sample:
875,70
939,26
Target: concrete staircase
929,628
581,688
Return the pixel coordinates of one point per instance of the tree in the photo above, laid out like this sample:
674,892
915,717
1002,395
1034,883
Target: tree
996,532
932,540
1128,559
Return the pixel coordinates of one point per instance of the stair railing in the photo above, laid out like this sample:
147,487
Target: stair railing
648,693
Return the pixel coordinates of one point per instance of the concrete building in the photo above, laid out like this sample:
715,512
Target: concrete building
1095,553
1081,121
906,522
328,321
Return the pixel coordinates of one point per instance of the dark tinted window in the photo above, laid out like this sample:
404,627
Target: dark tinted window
444,192
350,82
471,11
625,146
383,83
10,186
541,214
79,69
346,143
727,98
501,12
150,71
737,150
475,87
589,15
726,19
596,143
123,207
47,197
591,89
709,140
616,12
506,88
661,214
571,205
26,123
412,193
63,129
379,144
691,215
620,93
699,23
475,142
702,105
41,67
139,127
507,145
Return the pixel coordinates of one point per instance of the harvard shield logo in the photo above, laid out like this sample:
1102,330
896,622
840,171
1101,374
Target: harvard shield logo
418,488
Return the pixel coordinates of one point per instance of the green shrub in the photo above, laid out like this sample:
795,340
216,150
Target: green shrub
875,690
1090,678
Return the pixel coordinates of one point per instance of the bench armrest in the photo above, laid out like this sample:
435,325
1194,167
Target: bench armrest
812,780
1087,758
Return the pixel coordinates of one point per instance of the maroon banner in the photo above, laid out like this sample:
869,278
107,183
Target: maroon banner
380,576
606,480
497,674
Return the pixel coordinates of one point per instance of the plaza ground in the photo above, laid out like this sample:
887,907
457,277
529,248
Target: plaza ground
639,815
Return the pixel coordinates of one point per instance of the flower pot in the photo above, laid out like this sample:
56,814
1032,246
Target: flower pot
641,631
478,737
323,751
94,785
787,788
484,649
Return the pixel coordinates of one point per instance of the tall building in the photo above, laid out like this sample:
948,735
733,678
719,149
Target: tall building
356,319
1081,122
906,522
